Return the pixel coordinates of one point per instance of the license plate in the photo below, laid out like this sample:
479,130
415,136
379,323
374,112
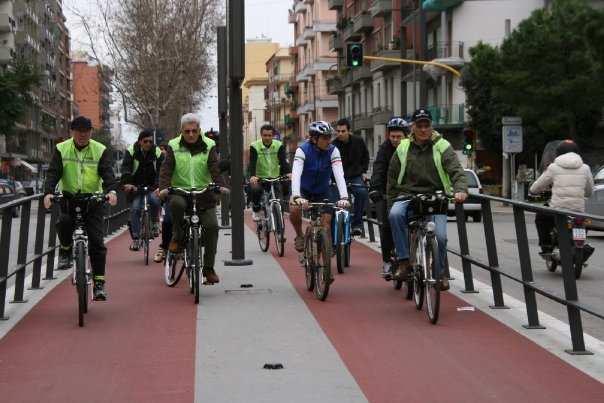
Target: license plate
579,234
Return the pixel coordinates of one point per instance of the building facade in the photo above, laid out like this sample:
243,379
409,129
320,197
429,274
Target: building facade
314,62
279,96
35,32
92,91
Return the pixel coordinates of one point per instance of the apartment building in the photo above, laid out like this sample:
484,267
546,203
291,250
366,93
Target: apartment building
315,62
255,111
279,96
34,31
92,91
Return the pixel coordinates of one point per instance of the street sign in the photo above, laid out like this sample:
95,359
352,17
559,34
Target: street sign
512,134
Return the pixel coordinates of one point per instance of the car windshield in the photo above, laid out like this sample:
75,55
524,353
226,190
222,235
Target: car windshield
471,179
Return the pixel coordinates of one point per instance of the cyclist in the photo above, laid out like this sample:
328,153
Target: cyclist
423,163
82,165
267,160
355,160
192,162
397,129
314,163
140,168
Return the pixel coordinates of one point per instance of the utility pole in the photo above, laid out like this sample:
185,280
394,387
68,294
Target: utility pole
236,64
222,113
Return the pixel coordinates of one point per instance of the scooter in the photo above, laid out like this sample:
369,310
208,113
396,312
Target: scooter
581,251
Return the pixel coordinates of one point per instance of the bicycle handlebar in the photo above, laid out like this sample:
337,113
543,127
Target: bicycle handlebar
212,187
81,197
425,197
272,180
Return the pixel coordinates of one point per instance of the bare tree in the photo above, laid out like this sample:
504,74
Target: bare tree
159,54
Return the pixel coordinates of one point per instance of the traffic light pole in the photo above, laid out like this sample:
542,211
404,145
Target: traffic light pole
236,64
221,53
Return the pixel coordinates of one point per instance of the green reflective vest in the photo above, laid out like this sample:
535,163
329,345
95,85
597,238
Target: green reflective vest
80,167
190,171
267,164
135,161
438,149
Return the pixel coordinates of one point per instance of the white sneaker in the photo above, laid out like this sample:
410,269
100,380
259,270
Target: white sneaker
387,270
255,216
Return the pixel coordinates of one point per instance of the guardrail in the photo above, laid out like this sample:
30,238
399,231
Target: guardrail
115,218
570,299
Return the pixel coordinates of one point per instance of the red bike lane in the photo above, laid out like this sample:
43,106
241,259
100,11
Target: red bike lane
139,346
396,355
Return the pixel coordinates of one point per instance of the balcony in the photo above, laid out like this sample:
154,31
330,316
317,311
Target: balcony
300,41
324,26
451,115
293,50
361,73
309,33
291,18
381,116
334,86
309,1
362,23
346,78
381,8
446,50
7,23
282,78
363,122
305,73
335,4
299,7
377,65
335,42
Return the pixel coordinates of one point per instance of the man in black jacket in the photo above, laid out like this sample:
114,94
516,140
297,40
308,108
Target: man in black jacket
140,168
355,159
397,129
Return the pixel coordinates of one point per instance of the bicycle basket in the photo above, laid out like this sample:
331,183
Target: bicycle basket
430,205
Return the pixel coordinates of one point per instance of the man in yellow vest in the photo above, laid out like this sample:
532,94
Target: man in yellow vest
423,163
192,162
82,165
267,161
140,168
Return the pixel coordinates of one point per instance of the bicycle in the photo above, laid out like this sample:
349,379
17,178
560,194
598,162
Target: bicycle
272,218
316,257
342,238
425,280
82,272
194,235
146,233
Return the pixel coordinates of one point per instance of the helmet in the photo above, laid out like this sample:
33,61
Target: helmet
320,128
397,123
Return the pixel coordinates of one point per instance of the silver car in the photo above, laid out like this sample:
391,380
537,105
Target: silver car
473,210
595,204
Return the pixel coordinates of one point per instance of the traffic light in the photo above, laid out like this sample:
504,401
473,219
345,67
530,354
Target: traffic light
354,55
468,142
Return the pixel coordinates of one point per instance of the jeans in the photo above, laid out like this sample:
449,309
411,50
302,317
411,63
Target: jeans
360,193
137,207
399,215
386,241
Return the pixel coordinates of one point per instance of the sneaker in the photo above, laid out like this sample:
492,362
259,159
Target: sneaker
99,290
387,271
135,245
255,216
299,244
444,284
160,255
210,275
403,270
65,259
357,231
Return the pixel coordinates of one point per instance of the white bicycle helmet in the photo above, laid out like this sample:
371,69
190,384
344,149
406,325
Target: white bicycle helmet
320,128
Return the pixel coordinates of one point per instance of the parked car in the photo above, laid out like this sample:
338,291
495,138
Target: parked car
595,204
8,194
599,177
473,210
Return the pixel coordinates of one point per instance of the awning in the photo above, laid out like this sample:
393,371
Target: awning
18,162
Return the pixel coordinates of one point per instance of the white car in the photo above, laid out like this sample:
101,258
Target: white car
595,204
473,210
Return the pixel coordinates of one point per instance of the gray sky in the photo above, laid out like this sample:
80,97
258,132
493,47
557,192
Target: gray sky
262,18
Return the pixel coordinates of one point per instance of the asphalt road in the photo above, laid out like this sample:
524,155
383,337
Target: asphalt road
590,285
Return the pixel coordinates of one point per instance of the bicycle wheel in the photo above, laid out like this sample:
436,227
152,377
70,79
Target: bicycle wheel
279,229
347,254
433,281
171,272
323,266
340,247
418,279
81,283
309,263
195,268
146,235
263,233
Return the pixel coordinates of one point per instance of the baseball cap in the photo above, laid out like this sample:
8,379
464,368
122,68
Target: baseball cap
421,114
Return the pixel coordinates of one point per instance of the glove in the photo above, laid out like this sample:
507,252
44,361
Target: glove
343,203
300,201
163,194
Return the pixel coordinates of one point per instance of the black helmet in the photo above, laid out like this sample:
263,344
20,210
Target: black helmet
320,128
398,123
422,114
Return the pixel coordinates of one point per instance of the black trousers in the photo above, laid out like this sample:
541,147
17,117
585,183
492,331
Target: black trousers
94,226
385,232
545,224
256,192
